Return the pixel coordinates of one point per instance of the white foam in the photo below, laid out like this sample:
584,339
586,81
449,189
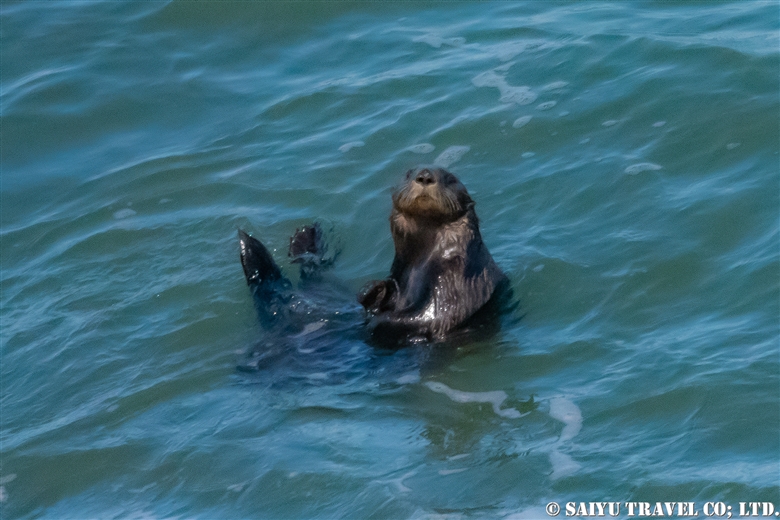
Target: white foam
237,487
562,465
124,213
555,85
505,51
610,122
422,148
458,456
547,105
399,482
488,78
495,398
659,124
642,167
731,146
521,121
348,146
570,415
408,379
451,155
505,67
309,328
527,155
445,472
436,41
520,95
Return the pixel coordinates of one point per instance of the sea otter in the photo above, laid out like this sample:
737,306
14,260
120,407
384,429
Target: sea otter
442,273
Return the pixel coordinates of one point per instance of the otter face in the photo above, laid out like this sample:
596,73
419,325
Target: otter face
433,193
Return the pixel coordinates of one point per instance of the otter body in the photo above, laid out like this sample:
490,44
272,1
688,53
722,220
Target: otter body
442,273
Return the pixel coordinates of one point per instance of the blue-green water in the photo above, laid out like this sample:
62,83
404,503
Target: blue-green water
624,161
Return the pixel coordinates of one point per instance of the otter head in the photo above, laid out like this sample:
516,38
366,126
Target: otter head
432,194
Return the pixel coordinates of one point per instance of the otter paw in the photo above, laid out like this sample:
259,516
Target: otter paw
378,295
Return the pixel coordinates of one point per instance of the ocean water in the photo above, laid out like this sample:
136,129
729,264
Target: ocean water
624,162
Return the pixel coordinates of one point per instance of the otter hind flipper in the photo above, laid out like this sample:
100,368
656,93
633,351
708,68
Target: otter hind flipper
259,267
270,289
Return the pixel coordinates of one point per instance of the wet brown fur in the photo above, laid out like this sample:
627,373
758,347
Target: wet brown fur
442,272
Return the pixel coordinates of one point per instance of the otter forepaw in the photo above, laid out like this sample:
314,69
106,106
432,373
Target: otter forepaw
308,248
378,295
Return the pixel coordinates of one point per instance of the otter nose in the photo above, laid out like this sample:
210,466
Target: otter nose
425,177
